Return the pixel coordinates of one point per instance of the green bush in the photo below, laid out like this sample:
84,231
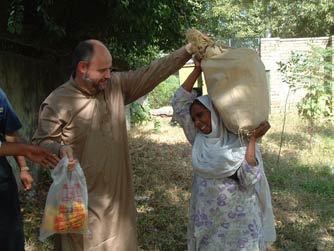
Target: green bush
139,113
162,95
311,71
172,79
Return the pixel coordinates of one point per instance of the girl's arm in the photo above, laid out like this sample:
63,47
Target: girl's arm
193,76
257,133
183,98
249,173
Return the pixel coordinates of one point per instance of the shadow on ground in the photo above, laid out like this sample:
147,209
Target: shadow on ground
303,197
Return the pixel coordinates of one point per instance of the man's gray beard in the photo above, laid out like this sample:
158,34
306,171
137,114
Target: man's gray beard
90,82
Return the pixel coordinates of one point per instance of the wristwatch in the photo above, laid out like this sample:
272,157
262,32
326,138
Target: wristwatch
24,168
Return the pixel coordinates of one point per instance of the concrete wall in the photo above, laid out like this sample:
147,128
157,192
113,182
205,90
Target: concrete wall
27,81
274,50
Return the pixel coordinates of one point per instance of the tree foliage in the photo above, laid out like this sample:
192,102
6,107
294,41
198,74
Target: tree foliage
258,18
227,19
300,18
127,26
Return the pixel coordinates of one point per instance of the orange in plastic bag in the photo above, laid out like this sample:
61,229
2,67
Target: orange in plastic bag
67,202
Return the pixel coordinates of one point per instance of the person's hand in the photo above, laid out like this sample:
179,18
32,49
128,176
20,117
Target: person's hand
41,156
189,48
68,152
261,130
207,38
26,180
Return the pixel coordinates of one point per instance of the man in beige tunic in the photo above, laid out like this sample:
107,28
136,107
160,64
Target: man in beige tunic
84,119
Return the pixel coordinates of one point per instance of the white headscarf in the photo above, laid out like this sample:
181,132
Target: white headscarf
220,153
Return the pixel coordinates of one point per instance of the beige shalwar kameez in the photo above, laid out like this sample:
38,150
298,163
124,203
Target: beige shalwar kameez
95,127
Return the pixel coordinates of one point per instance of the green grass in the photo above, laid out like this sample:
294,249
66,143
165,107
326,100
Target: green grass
302,185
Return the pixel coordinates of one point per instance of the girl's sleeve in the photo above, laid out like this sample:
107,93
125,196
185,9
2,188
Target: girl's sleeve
249,175
181,103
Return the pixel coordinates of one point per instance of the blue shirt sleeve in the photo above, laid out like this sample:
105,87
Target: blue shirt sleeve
9,122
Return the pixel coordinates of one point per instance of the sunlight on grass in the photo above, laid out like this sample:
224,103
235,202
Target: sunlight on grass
302,185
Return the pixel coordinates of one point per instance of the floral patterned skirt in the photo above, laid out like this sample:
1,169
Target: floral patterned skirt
224,216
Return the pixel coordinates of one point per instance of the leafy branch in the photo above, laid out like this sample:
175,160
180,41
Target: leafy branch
311,71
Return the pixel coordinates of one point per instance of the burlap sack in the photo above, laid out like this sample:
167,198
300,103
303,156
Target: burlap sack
237,84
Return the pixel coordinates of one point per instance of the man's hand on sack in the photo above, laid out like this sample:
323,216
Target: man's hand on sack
189,47
68,152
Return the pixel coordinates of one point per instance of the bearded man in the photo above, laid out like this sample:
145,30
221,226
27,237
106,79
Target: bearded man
84,119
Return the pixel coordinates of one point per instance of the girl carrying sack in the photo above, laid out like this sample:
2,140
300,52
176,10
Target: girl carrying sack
236,82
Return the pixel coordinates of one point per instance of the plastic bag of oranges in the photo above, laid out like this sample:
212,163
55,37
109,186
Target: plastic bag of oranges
66,204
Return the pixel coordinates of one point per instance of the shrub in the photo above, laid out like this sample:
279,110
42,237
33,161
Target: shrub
163,93
139,113
311,71
172,80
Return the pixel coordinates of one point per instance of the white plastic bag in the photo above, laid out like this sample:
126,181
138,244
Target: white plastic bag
66,207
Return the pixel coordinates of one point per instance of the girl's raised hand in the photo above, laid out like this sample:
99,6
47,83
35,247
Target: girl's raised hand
261,130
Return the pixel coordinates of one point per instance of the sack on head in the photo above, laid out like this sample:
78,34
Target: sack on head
236,83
